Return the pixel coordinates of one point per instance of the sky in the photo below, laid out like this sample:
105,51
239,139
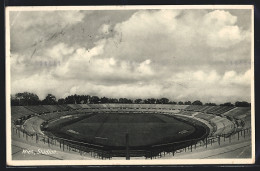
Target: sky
180,54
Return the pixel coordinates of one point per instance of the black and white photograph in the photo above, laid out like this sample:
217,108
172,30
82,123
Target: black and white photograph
130,85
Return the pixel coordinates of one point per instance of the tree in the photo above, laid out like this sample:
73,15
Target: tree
94,99
172,102
180,103
130,101
125,100
84,99
210,104
77,98
112,100
242,104
69,100
14,101
153,100
187,103
61,101
25,99
163,100
138,101
227,104
49,100
197,102
104,100
150,101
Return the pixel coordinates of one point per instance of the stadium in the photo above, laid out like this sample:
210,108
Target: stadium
152,84
149,131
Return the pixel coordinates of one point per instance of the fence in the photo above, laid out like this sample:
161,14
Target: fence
102,152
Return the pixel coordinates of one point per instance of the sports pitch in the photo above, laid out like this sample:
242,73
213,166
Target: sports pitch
110,129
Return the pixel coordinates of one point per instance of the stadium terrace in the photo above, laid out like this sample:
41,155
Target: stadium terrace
106,131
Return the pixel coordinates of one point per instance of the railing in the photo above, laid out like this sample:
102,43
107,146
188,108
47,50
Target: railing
102,152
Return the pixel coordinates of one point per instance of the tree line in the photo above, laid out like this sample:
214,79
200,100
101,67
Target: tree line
27,98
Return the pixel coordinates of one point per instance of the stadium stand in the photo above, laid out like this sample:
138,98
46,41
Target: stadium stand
65,107
84,106
221,120
18,112
205,108
95,106
236,112
38,109
189,113
214,109
224,109
206,117
52,108
74,106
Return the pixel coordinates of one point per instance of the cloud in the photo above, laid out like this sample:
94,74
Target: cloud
104,29
59,51
179,54
38,27
231,77
198,85
30,19
182,39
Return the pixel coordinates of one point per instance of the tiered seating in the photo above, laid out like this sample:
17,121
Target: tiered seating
144,106
19,112
128,106
202,108
198,108
189,113
194,107
38,109
206,108
84,106
169,111
189,107
142,110
180,107
247,121
132,110
223,125
65,107
236,112
229,126
74,106
204,116
150,106
104,105
224,109
52,108
219,124
50,116
90,110
111,105
113,110
102,110
95,106
214,109
164,106
244,115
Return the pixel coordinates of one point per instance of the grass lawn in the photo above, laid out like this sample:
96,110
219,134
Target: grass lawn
143,129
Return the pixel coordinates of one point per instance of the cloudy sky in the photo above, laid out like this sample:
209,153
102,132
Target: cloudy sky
178,54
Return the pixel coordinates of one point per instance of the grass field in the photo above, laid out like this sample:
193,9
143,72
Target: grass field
110,129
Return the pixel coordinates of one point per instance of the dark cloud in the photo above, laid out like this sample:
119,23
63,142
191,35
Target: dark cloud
179,54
